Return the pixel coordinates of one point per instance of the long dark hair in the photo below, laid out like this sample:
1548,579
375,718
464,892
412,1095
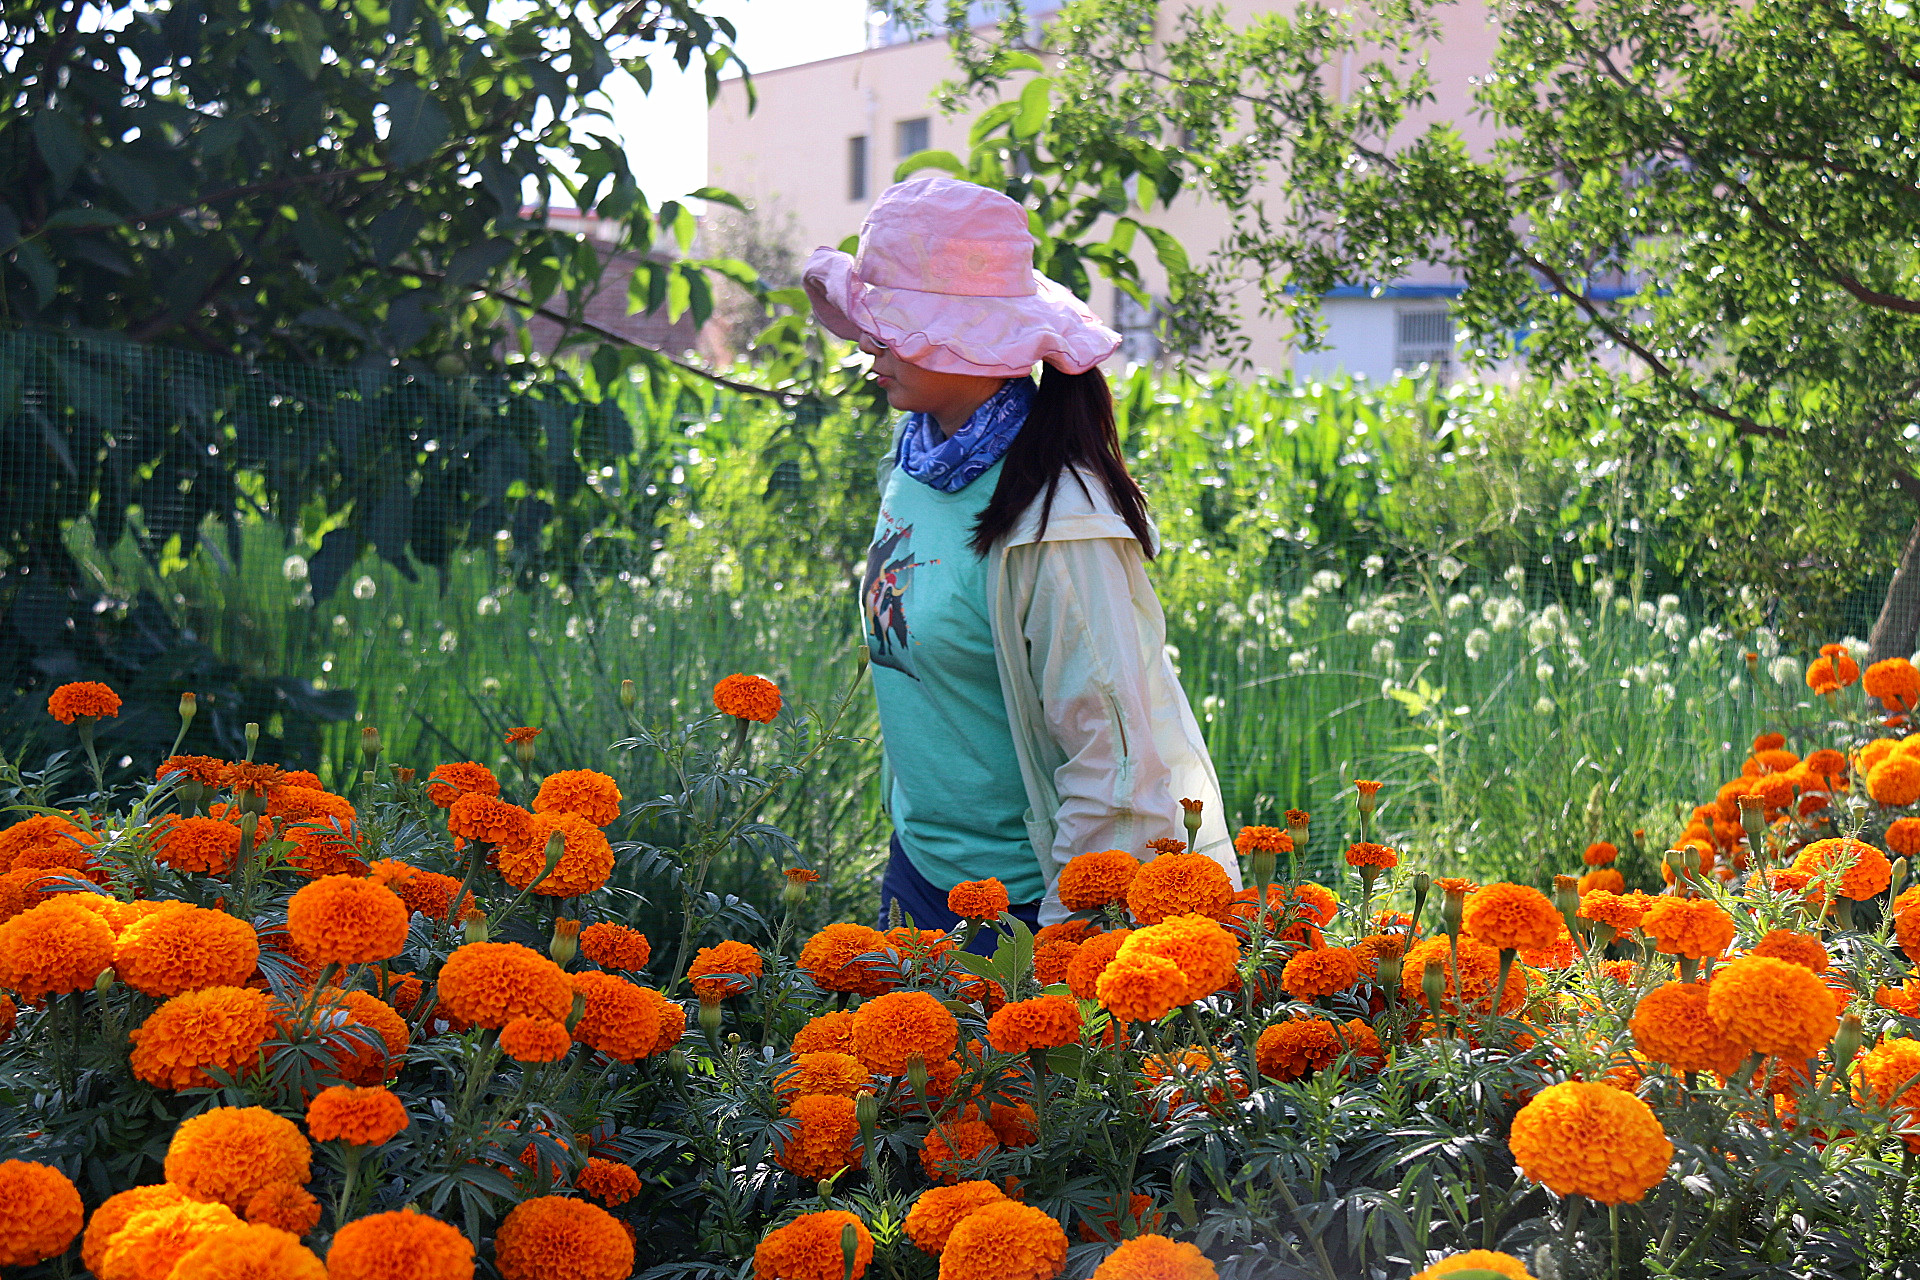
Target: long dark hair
1070,424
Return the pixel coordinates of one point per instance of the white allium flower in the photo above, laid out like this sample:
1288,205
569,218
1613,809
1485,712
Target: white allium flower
1540,630
1509,614
1297,660
1458,603
1735,684
1433,638
1766,643
1478,642
1603,589
1308,594
1857,649
1675,625
1328,580
1663,692
1668,604
294,568
1372,566
1543,705
1515,576
1543,671
1449,568
365,588
1383,652
1647,613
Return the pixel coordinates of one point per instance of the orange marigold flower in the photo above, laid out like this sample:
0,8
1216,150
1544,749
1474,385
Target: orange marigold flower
535,1040
1867,870
1559,956
732,958
45,831
354,1060
521,734
252,1252
1051,958
87,698
229,1153
1797,948
1889,1074
1311,902
557,1238
1155,1257
1906,922
1903,836
205,845
824,1071
55,947
42,1216
181,947
833,958
1502,1264
1093,880
152,1241
615,946
1772,1007
1368,854
583,792
1580,1138
1166,844
1671,1024
608,1181
1832,671
484,984
1513,917
252,777
1620,911
1894,682
938,1210
219,1027
1004,1240
1601,853
801,875
1252,840
1204,952
295,803
1016,1126
402,1245
827,1033
1301,1046
113,1214
208,771
1048,1022
1762,763
1142,988
1375,947
1179,884
1320,972
286,1205
747,698
825,1137
1692,927
346,920
971,1139
449,782
1195,1065
619,1021
889,1029
1097,952
809,1248
978,899
475,815
363,1117
1895,781
1479,973
1605,878
1105,1222
586,859
428,892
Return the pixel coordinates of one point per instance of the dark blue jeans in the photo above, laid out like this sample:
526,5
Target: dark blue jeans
926,904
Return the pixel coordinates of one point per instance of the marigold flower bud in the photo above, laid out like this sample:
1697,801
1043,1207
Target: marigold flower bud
578,1011
1369,796
677,1062
1453,907
849,1239
1433,985
189,707
917,1072
710,1018
1190,817
629,695
252,735
473,922
1846,1043
565,943
370,744
403,776
1387,971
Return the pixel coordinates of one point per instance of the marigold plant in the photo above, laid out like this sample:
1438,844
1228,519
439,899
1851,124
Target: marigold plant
1512,917
1044,1022
42,1213
216,1028
747,698
1692,927
585,793
1178,884
345,920
978,899
535,1040
619,1020
362,1117
1320,971
1866,870
251,1252
1004,1240
487,983
889,1029
449,782
1592,1140
1770,1006
739,961
1155,1257
1500,1264
809,1248
834,959
608,1181
285,1205
586,859
1671,1025
556,1238
825,1137
229,1153
615,946
402,1245
87,699
150,1242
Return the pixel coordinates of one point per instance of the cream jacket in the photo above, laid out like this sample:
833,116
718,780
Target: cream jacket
1107,743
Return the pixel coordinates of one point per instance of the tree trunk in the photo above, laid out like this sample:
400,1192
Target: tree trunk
1894,631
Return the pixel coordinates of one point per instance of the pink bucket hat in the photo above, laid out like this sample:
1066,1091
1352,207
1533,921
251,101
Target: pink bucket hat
945,279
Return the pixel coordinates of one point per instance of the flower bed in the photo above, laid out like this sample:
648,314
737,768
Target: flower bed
254,1025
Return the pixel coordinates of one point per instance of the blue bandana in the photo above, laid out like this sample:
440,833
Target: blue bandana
951,463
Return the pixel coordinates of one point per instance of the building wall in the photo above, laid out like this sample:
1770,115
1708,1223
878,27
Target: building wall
791,155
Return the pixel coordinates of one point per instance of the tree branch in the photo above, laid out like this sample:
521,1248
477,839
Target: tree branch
258,188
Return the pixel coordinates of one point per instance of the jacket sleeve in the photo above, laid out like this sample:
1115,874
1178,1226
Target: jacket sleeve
1088,636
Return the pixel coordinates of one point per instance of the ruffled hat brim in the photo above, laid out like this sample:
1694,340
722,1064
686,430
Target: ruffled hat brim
991,337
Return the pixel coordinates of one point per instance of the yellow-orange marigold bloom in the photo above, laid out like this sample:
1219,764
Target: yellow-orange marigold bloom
449,782
825,1137
113,1214
938,1210
1368,854
1833,669
586,859
824,1071
181,947
1604,878
1097,952
832,957
1601,853
1799,948
1502,1264
484,984
558,1238
1301,1046
1312,902
1692,927
151,1241
1906,922
828,1033
1093,880
889,1029
615,946
1894,682
205,845
1772,1007
474,815
1620,911
1004,1240
1320,972
229,1153
1051,958
747,697
608,1181
586,793
1142,988
1155,1257
254,777
55,947
45,840
219,1027
619,1020
296,803
1581,1138
402,1245
1252,840
809,1248
736,958
1204,952
83,698
978,899
250,1252
286,1205
1513,917
1889,1074
353,1059
1047,1022
1895,781
1178,884
1903,836
1869,871
1479,973
208,771
535,1040
363,1117
347,920
41,1215
1672,1025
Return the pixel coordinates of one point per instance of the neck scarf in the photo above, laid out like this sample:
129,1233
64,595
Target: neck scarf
951,463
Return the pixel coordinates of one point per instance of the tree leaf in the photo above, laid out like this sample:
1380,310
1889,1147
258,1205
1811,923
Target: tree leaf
416,125
60,144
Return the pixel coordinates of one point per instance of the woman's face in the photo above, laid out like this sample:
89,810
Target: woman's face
911,389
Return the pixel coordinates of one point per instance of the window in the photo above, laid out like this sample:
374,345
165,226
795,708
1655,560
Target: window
1424,337
857,168
910,137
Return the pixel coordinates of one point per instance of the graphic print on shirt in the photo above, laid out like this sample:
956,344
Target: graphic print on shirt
883,600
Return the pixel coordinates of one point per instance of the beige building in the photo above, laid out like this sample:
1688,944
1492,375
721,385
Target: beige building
826,136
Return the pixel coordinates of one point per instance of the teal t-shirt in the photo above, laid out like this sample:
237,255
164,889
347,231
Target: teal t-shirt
957,798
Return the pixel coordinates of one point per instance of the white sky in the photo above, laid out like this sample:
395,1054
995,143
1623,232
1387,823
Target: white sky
666,131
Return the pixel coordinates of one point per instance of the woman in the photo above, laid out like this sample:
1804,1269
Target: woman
1027,707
